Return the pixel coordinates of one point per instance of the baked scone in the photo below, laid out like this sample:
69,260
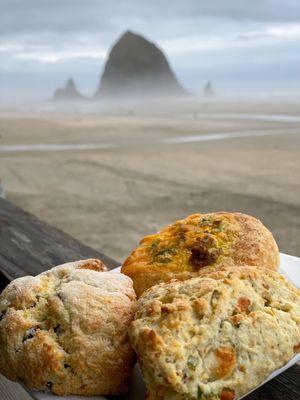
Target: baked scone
198,244
215,337
66,330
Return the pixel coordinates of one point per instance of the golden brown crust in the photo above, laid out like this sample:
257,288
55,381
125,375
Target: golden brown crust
215,337
66,330
198,245
89,263
256,246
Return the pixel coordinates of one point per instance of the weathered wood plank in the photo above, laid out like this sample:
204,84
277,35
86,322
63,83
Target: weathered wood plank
29,246
285,387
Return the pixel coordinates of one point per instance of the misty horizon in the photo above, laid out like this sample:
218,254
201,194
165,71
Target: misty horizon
241,49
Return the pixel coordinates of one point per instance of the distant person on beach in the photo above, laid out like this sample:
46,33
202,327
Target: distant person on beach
208,89
2,193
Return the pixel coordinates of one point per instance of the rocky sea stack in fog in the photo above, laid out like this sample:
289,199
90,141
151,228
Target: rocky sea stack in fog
137,68
68,93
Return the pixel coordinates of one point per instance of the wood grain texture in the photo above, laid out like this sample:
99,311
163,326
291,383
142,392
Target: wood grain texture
284,387
29,246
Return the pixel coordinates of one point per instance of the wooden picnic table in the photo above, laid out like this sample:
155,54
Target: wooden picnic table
29,246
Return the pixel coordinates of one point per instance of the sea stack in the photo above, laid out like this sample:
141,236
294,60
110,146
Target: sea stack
67,93
137,68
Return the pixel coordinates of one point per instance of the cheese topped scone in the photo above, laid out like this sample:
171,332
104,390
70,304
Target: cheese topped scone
198,244
65,331
215,337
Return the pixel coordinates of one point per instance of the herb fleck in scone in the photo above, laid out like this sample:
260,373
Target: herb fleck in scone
215,337
198,244
66,330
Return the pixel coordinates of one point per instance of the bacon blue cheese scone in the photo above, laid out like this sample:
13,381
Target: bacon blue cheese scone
198,244
215,337
65,331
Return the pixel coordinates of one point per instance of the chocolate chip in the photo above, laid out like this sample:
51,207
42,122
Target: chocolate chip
66,365
49,385
2,314
56,328
30,333
214,297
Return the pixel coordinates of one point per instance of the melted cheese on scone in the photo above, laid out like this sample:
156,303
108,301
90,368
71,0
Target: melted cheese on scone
197,244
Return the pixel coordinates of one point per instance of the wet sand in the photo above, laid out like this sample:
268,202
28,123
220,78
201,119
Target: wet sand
134,180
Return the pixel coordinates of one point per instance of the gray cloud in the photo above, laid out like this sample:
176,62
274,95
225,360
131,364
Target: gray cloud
105,15
45,41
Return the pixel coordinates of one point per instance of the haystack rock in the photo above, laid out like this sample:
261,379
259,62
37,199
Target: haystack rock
68,93
137,68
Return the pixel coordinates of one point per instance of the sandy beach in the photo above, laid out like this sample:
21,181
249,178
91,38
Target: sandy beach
110,175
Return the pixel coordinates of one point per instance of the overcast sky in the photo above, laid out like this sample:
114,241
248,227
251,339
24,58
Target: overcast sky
240,45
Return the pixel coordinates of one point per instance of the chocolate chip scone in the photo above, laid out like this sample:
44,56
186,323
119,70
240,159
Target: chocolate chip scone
215,337
66,330
198,244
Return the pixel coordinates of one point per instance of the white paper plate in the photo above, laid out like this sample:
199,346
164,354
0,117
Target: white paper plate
289,266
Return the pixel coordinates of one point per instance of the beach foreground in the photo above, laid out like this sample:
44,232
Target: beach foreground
110,177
